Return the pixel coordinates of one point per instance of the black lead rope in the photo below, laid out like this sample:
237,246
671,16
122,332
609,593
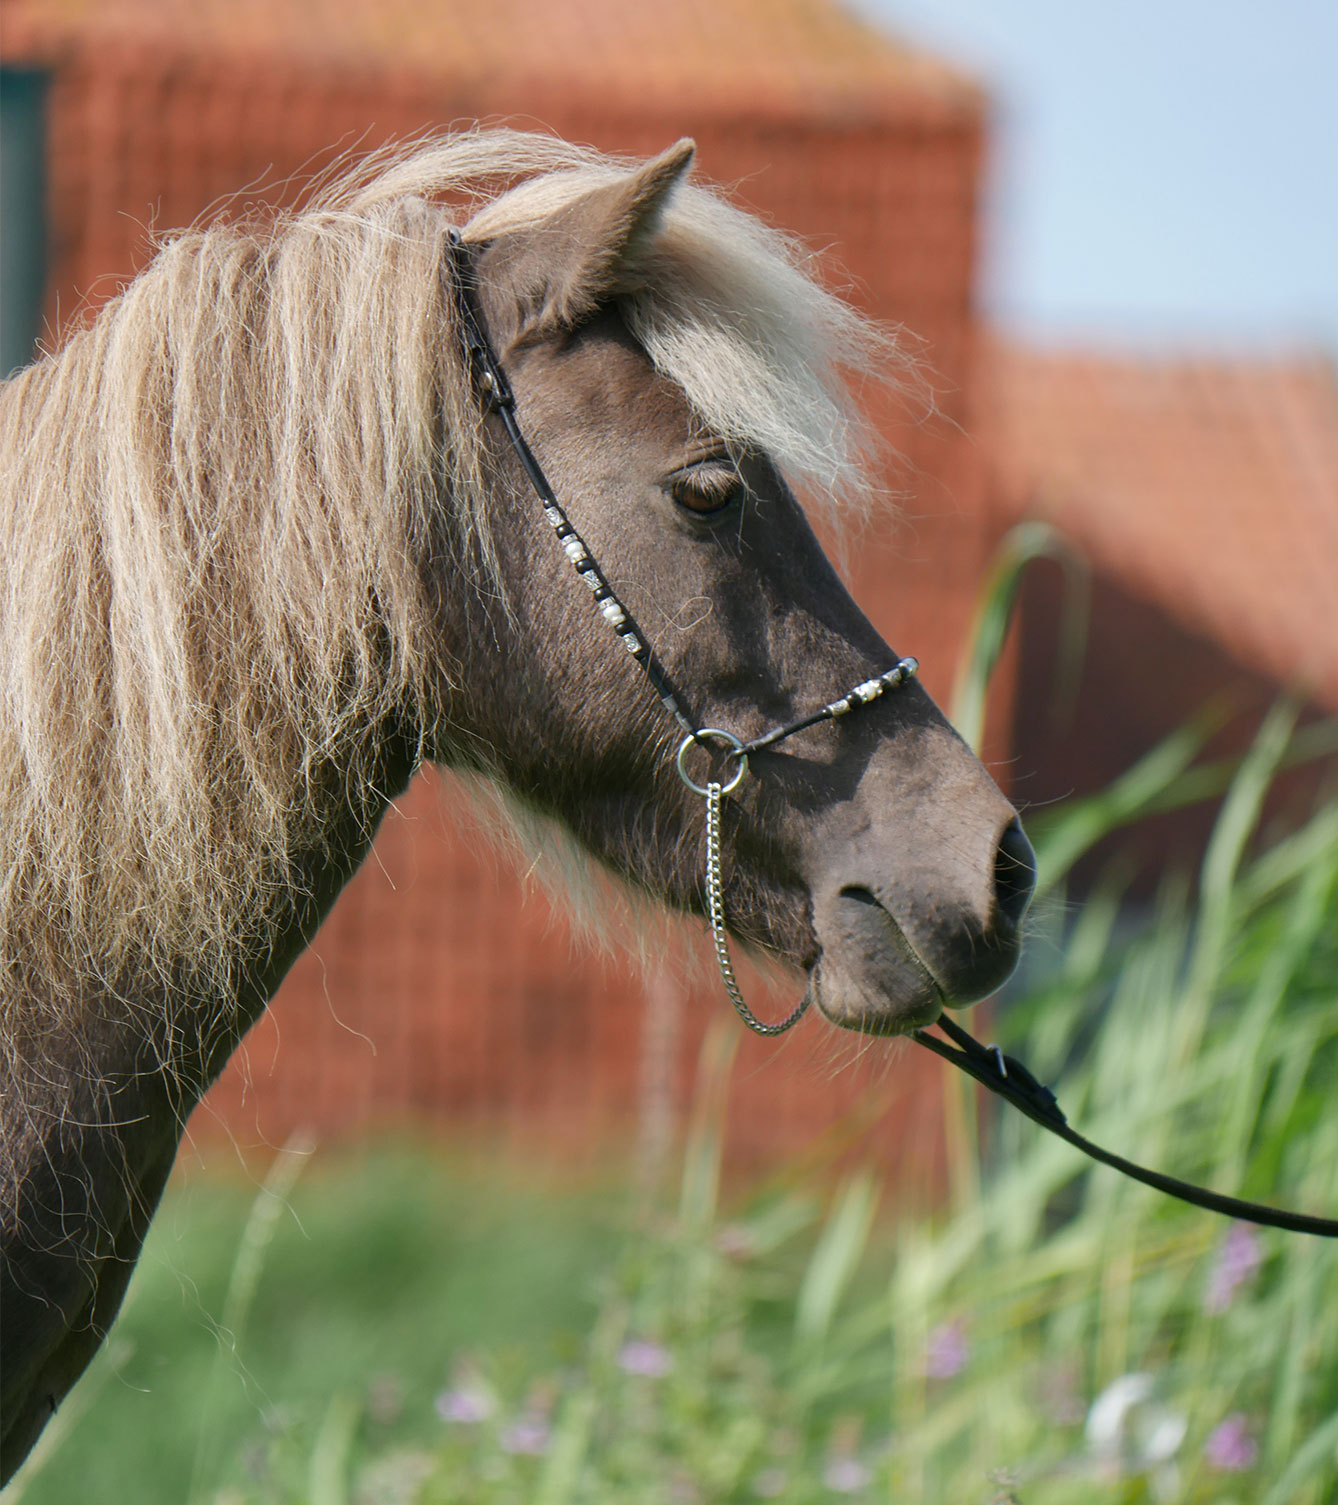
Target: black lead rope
1002,1074
1010,1080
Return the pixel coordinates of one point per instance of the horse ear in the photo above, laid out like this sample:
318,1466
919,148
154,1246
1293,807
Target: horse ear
562,269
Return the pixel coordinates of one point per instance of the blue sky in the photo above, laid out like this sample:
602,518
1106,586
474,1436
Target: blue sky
1165,172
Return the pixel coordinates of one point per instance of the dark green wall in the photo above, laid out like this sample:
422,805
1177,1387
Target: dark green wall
22,213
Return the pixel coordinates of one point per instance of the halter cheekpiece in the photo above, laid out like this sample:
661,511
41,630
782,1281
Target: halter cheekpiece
988,1065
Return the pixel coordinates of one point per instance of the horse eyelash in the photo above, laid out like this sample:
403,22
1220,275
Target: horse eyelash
718,484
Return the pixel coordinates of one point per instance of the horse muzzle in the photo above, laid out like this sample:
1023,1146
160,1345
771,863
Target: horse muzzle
899,947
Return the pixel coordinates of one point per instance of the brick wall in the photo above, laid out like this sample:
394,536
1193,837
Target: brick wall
434,995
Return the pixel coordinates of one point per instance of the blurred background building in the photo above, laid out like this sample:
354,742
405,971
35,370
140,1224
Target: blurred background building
1202,492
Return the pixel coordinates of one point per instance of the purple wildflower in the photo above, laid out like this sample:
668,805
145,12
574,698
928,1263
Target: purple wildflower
946,1350
255,1460
845,1474
527,1434
1238,1259
1230,1447
467,1404
735,1242
1061,1394
385,1399
642,1357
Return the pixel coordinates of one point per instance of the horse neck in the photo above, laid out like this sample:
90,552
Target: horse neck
93,1103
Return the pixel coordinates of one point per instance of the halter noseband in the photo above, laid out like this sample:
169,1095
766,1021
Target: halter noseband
988,1065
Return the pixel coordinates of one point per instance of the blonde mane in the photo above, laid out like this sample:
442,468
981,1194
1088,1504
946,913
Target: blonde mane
215,508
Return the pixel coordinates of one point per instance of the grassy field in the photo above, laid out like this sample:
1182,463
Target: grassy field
396,1330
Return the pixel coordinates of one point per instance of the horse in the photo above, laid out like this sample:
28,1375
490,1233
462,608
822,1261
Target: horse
268,548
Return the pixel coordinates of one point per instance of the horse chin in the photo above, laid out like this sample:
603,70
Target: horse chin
847,1005
869,977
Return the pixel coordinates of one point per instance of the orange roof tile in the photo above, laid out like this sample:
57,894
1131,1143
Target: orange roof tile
1207,486
792,54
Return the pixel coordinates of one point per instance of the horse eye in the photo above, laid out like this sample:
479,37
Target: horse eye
707,489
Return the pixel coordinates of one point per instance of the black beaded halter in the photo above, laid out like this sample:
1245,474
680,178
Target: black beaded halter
988,1065
496,392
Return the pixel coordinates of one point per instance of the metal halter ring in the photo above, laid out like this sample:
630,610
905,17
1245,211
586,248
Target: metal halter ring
734,750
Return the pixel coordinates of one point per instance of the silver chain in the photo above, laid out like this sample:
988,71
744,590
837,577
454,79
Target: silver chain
715,905
713,789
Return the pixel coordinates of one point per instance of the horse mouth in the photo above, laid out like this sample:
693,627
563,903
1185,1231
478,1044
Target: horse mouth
869,978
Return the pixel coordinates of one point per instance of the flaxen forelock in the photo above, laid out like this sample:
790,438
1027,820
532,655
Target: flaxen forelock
215,509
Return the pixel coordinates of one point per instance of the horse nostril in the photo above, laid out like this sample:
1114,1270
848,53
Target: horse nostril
858,894
1014,875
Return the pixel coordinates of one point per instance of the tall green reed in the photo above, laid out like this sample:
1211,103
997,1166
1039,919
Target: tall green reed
1054,1334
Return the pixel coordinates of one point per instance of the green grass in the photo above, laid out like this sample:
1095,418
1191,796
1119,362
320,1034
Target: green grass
293,1342
367,1278
289,1344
